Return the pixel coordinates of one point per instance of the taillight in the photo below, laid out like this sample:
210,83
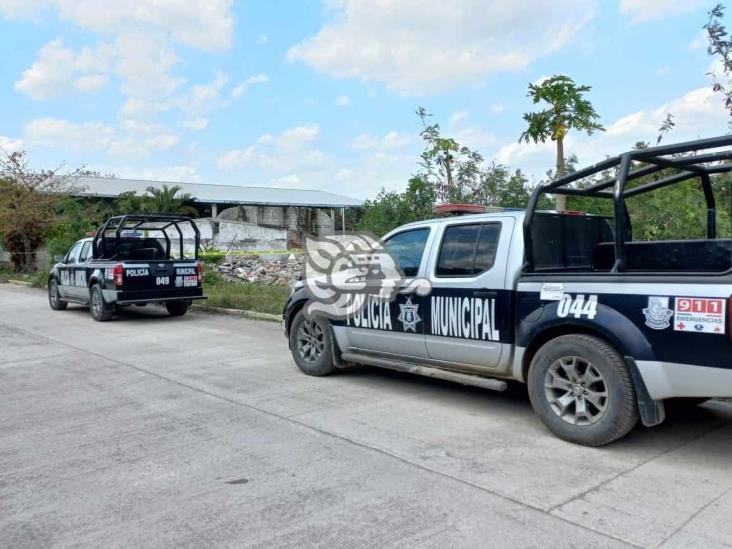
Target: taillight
118,271
199,269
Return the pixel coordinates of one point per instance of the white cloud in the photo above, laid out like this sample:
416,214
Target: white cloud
10,145
389,141
342,101
204,24
196,124
699,42
184,173
91,82
641,11
57,69
136,46
249,82
292,149
55,132
419,46
475,137
498,108
698,113
133,137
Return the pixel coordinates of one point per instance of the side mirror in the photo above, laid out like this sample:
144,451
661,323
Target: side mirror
58,258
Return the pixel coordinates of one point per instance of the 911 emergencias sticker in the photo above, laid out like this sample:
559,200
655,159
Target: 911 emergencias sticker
701,315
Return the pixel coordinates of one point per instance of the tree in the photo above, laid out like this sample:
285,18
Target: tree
720,45
568,110
128,203
167,200
75,218
391,209
454,170
28,205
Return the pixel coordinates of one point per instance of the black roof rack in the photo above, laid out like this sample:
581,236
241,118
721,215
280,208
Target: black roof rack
682,157
133,222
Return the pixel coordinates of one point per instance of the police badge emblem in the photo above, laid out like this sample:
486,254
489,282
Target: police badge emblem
657,314
408,315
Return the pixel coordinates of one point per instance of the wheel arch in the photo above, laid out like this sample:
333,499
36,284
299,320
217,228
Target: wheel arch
607,324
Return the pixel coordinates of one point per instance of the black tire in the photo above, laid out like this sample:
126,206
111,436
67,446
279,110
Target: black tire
54,297
177,308
592,411
311,346
99,309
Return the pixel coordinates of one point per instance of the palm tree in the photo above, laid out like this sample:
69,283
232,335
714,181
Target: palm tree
167,200
568,110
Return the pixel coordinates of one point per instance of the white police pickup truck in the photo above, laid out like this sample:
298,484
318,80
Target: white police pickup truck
602,328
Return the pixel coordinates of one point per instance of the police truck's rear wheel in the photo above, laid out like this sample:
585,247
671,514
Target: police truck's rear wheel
54,297
311,345
581,388
100,310
177,308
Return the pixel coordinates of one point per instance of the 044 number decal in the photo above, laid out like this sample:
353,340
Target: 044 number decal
577,306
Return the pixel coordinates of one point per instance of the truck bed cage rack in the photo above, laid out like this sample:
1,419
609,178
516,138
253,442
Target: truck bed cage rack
133,222
681,157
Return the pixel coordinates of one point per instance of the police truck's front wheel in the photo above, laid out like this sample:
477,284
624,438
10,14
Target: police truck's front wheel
581,388
311,345
54,296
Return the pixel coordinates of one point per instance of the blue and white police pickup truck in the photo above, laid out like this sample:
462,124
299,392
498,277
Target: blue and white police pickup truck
601,327
130,260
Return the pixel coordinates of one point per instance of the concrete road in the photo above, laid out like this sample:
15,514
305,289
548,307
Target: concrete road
199,431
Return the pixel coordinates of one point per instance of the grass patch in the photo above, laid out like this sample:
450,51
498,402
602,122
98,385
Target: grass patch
245,296
38,279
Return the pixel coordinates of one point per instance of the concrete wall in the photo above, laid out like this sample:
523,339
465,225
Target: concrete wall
235,235
309,220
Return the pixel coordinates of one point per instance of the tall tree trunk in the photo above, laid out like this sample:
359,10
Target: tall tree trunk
560,200
27,259
448,171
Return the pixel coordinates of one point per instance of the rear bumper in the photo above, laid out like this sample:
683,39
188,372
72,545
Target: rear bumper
152,296
668,380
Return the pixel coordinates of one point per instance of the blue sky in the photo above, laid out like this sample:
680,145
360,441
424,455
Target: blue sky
312,94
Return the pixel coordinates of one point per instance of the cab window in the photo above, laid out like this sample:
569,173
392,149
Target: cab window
407,248
73,253
468,250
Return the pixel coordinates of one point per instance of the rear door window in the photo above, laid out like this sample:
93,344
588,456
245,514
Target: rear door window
468,250
84,255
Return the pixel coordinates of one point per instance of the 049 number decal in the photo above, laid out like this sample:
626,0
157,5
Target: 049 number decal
577,306
162,280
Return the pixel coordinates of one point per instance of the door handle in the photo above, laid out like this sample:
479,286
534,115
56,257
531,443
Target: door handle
486,294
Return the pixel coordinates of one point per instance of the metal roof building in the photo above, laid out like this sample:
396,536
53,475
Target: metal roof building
111,187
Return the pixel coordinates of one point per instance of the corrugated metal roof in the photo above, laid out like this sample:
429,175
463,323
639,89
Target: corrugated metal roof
110,187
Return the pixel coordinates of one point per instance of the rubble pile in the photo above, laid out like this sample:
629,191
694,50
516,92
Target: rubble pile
253,268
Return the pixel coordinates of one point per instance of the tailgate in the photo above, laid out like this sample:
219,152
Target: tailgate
161,279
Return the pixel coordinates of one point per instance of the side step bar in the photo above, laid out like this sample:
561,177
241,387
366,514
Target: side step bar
427,371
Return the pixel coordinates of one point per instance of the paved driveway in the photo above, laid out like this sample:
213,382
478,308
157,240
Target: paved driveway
150,431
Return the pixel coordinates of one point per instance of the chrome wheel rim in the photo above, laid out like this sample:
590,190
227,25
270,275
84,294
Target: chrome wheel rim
310,341
96,303
53,293
576,390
